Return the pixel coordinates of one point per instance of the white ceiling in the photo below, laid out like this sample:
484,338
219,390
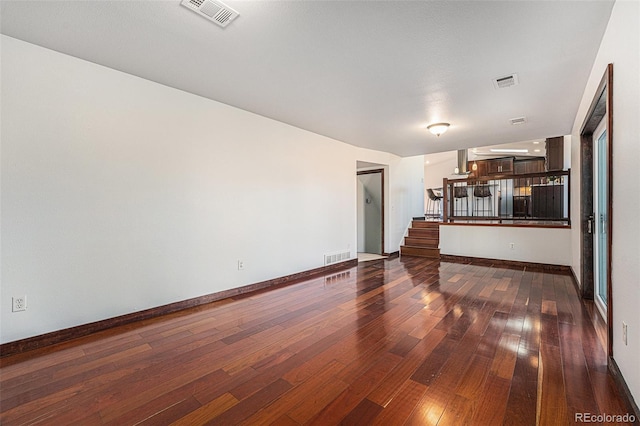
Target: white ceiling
369,73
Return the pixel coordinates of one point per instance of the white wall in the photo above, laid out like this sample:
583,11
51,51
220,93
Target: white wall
493,242
440,165
620,46
119,194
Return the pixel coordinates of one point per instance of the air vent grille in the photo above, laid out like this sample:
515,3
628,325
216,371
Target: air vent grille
336,257
215,11
505,81
518,120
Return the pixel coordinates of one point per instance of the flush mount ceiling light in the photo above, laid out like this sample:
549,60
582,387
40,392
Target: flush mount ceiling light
508,150
438,128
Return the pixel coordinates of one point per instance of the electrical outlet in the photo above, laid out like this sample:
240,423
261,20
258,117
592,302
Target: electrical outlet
240,265
512,246
624,333
19,303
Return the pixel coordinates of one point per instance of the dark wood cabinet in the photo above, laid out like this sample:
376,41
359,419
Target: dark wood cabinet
555,153
481,168
521,206
519,167
547,201
505,166
533,165
500,166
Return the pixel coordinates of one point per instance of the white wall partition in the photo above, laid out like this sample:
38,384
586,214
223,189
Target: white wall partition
120,194
524,244
621,47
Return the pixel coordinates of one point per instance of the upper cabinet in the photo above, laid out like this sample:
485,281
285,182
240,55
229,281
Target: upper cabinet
500,166
555,153
506,166
481,168
533,165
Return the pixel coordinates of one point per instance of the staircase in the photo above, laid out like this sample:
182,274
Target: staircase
423,240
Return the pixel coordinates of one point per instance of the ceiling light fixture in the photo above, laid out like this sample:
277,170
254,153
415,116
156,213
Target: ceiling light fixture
505,150
438,128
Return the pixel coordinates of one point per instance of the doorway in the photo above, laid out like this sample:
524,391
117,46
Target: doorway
600,217
596,189
370,194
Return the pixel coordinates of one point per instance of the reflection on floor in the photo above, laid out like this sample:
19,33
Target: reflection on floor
365,257
406,341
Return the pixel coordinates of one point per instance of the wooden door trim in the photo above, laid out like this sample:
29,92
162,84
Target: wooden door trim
601,106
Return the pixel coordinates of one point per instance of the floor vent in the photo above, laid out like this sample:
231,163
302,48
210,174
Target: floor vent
336,257
505,81
215,11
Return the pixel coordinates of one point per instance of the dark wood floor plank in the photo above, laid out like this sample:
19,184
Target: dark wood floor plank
474,377
552,402
400,341
459,411
433,363
362,414
308,397
352,396
247,407
386,391
398,410
504,359
490,408
207,412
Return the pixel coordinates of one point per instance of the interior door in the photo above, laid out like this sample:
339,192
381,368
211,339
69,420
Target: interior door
371,211
601,219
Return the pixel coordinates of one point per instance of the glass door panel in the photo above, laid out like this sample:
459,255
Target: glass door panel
601,220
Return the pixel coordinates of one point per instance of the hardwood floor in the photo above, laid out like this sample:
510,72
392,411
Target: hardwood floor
404,341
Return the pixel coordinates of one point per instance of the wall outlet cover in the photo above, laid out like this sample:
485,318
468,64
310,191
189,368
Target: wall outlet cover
19,303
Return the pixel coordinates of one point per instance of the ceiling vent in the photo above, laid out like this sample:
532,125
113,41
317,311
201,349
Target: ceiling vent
215,11
518,120
505,81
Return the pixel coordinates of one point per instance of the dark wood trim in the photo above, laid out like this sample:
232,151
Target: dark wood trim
508,225
474,180
381,171
609,77
392,255
445,200
601,106
506,263
66,334
574,279
569,196
618,378
369,172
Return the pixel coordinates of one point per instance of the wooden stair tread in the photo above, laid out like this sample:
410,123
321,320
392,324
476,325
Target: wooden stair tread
423,240
425,233
422,224
420,251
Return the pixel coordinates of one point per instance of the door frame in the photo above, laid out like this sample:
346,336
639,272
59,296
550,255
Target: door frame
601,106
381,171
